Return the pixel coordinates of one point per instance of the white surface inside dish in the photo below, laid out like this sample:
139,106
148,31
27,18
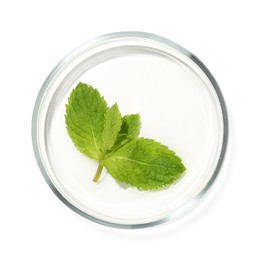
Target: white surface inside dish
178,106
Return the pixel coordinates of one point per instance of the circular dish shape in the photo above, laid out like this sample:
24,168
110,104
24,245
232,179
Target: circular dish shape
180,105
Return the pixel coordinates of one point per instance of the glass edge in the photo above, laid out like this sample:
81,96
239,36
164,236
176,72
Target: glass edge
76,52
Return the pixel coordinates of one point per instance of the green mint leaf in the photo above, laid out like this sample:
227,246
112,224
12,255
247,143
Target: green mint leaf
85,119
103,134
145,164
130,129
112,126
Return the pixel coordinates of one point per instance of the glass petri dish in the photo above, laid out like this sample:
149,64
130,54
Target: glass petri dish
180,104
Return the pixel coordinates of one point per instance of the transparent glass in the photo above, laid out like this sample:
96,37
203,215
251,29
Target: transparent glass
180,104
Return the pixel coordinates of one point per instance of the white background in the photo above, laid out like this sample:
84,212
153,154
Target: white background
35,35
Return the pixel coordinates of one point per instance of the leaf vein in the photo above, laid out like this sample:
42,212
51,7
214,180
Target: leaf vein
143,163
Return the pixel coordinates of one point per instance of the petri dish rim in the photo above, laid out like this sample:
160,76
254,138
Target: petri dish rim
76,53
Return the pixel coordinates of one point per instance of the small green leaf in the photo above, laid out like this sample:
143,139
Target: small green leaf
102,134
85,118
113,122
145,164
130,129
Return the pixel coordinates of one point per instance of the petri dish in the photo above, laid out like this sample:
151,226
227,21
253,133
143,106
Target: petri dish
181,106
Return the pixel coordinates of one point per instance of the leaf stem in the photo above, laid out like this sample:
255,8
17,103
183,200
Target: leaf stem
98,173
